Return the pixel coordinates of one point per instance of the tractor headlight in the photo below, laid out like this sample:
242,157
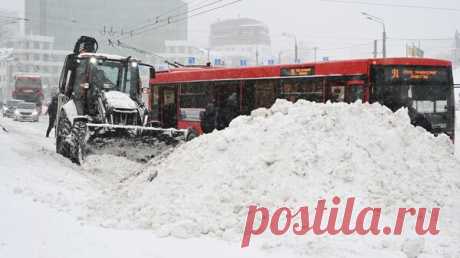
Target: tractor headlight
93,60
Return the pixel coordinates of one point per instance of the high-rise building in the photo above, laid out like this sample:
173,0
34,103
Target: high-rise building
9,25
184,53
240,42
33,55
67,20
5,58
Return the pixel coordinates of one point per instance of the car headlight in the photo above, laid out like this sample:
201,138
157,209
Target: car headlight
16,112
34,113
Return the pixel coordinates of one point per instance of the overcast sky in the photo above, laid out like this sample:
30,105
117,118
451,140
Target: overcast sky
338,29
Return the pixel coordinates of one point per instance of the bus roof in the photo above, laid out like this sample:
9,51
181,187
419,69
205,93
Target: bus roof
344,67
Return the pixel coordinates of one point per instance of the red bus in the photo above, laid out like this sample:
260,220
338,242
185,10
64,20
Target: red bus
179,98
28,87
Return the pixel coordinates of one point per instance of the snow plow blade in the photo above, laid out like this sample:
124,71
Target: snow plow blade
136,143
140,128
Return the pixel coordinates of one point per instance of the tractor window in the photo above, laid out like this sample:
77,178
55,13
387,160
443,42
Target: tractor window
132,84
80,78
107,75
110,74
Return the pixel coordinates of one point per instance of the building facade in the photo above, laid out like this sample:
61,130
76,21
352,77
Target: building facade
67,20
9,25
34,55
240,42
5,58
184,53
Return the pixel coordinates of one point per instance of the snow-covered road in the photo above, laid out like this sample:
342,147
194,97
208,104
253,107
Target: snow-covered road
41,200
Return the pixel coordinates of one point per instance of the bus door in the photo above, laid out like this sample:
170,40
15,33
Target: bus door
343,90
168,106
335,91
356,90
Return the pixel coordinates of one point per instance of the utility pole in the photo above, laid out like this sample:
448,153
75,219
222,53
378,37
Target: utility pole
315,49
375,49
296,54
384,34
384,47
296,46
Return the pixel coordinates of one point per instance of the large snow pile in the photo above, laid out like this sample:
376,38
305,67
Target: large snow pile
291,156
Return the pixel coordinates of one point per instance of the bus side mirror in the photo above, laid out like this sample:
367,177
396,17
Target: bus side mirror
152,73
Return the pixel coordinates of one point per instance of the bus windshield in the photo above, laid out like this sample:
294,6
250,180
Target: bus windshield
425,91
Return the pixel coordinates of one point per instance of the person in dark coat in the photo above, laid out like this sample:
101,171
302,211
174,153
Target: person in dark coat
208,120
230,110
52,112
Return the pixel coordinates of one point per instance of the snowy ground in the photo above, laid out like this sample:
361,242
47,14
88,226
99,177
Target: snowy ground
45,201
42,196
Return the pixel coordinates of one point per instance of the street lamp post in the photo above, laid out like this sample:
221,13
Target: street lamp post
384,34
296,46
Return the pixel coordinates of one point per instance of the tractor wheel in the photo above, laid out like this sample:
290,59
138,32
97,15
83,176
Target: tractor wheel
78,143
63,131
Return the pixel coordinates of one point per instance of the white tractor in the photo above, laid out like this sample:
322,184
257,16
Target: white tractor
100,98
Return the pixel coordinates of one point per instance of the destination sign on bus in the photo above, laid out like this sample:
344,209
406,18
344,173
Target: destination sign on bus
303,71
415,74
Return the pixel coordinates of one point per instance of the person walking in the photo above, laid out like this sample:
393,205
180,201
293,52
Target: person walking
52,112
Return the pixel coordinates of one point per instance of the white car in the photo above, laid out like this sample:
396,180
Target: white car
26,112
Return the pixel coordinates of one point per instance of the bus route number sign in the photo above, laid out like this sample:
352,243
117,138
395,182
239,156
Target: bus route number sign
414,74
304,71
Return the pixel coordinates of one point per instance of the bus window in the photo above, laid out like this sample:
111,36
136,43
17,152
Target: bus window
355,93
307,89
265,94
228,102
194,97
168,106
258,94
337,94
155,105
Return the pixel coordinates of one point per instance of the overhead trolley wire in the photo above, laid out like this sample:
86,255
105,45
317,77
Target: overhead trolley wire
394,5
151,27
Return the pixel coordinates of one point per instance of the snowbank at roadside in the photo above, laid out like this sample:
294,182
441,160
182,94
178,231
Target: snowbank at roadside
30,229
293,155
